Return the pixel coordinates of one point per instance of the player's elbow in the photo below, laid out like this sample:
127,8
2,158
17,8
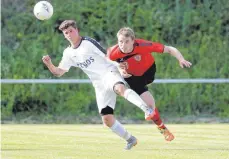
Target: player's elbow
57,75
170,49
58,72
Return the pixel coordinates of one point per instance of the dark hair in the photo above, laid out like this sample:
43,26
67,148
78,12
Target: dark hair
67,23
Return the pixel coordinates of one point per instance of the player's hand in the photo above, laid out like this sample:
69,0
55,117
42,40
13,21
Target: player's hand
124,73
123,65
46,60
184,63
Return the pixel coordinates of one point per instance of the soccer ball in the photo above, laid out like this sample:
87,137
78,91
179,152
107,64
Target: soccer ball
43,10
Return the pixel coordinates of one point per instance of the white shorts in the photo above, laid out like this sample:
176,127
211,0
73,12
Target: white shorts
105,95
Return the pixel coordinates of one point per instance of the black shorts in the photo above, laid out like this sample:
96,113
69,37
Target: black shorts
139,83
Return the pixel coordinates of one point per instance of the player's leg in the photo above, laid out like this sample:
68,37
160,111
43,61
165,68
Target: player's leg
118,85
121,89
155,115
148,98
106,100
116,127
139,85
146,79
110,121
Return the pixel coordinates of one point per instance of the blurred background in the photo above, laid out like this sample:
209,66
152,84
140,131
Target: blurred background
198,28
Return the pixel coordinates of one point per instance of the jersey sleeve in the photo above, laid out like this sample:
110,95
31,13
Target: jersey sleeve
65,62
157,47
100,52
97,48
111,52
151,46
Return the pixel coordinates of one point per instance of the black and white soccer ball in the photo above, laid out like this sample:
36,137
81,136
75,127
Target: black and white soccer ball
43,10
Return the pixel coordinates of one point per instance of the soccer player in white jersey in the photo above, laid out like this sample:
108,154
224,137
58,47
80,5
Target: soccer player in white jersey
87,54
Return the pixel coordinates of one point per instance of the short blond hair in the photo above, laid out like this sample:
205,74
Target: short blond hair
127,32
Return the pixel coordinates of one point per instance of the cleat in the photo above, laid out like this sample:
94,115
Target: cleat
131,142
149,114
167,134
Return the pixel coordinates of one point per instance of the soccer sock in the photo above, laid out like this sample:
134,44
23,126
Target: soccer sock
157,119
120,130
134,98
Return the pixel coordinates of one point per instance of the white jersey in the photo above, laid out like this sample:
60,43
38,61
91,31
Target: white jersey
90,57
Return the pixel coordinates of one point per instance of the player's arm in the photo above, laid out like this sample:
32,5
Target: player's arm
109,57
121,66
111,61
52,68
176,53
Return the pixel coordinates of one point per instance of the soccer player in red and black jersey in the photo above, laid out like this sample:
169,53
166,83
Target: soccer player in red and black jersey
137,65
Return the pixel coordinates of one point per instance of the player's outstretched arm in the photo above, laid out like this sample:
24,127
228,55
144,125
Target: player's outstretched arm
176,53
53,69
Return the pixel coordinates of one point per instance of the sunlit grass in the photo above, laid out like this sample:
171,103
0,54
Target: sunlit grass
205,141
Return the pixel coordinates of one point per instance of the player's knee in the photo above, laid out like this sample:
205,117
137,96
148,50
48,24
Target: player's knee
119,88
107,116
108,120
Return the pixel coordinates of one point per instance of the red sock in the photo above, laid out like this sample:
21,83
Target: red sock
157,119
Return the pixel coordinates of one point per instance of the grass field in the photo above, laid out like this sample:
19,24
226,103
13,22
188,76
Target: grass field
206,141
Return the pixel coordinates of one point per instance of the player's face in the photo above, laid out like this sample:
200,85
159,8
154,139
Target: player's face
126,44
71,34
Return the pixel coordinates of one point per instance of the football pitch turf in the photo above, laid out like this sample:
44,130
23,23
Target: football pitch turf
202,141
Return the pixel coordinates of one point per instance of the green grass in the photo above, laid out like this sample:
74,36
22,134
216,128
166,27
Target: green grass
206,141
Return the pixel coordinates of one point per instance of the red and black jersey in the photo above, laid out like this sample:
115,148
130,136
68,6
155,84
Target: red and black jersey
140,59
